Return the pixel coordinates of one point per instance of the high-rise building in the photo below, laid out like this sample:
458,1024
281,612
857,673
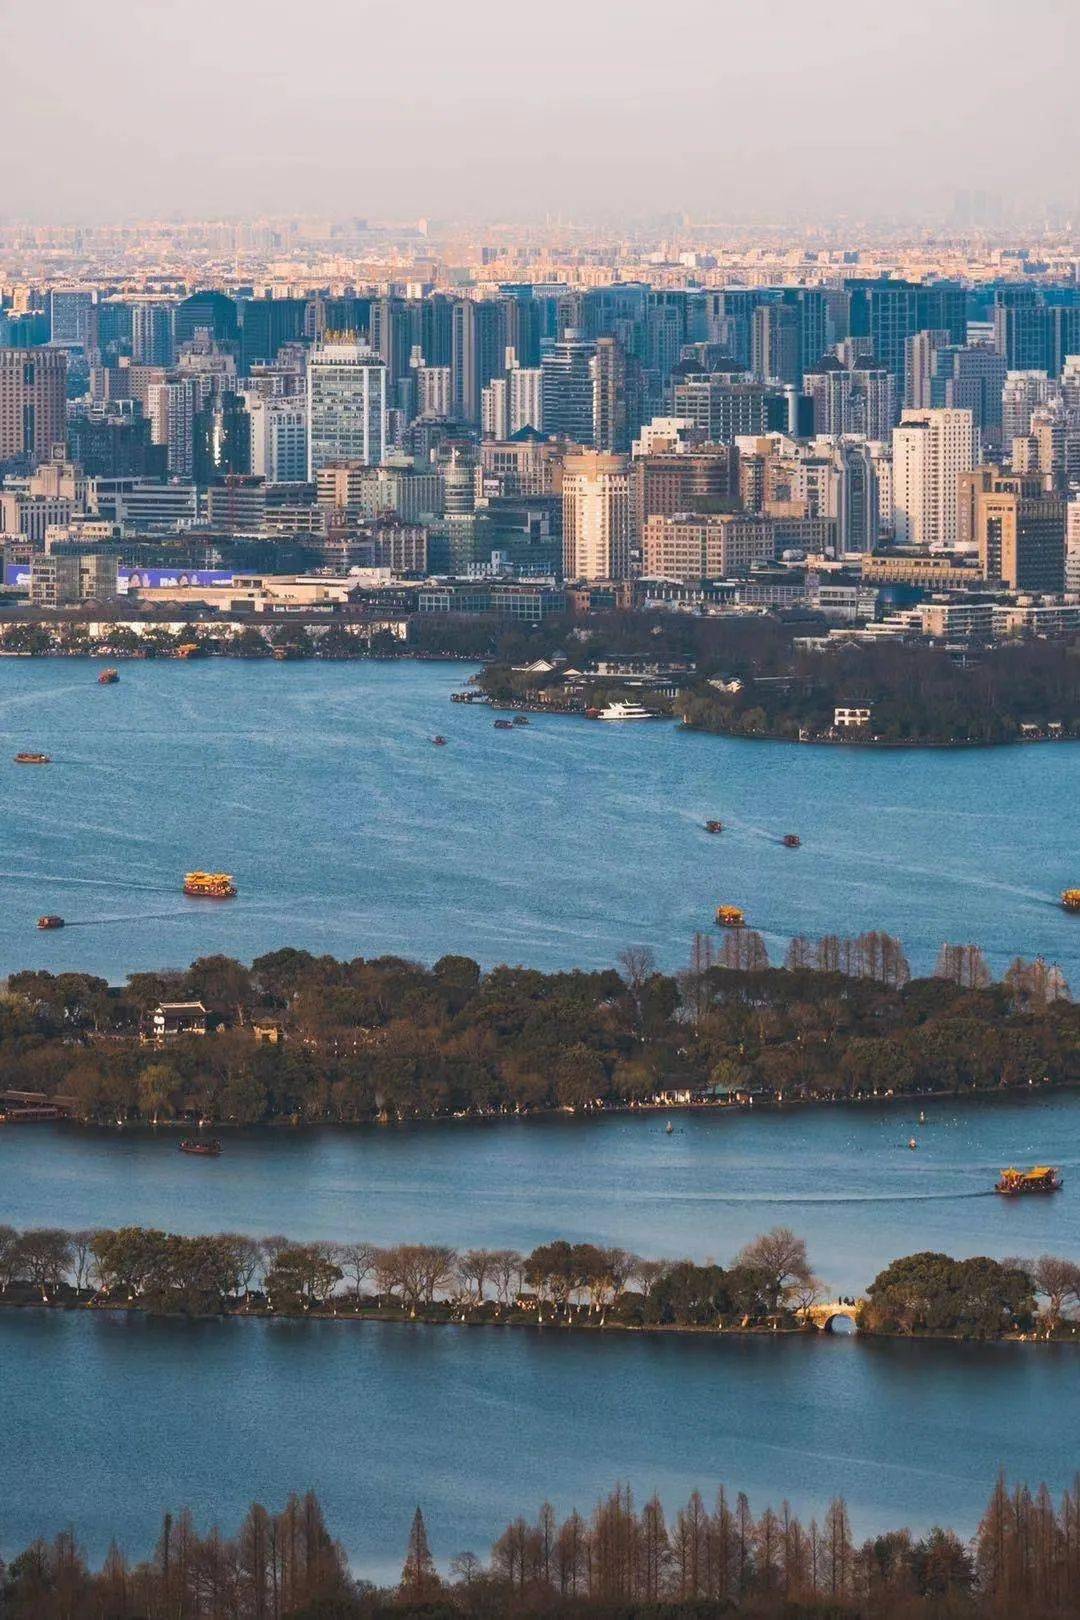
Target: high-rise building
278,439
889,312
495,409
152,334
172,408
1021,392
776,343
567,387
346,404
211,312
859,401
434,392
268,323
596,516
714,545
682,479
526,407
618,396
930,451
33,403
71,318
723,410
1021,534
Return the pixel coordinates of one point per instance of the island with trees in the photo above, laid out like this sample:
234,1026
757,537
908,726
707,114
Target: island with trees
772,678
769,1286
300,1038
619,1562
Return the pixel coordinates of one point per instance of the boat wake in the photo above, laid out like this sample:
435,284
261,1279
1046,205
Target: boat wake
91,883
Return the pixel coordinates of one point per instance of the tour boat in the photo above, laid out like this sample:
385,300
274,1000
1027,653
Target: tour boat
50,922
791,840
439,742
32,759
209,886
714,826
521,719
1042,1178
730,916
1070,899
108,677
504,725
202,1148
624,711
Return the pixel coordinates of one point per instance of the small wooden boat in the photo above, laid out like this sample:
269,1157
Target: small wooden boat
33,759
439,742
521,720
108,677
49,921
201,1147
504,725
714,826
791,840
912,1144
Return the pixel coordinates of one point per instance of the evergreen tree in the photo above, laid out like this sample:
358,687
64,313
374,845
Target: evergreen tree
419,1580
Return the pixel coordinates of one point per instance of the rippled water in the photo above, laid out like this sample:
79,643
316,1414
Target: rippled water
555,844
106,1421
843,1177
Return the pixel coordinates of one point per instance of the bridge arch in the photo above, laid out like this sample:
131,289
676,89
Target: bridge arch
823,1316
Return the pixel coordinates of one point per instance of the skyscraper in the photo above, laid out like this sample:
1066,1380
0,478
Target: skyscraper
152,334
33,403
618,399
930,451
346,404
776,343
596,516
567,387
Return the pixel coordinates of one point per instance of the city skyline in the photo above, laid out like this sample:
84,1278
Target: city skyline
580,113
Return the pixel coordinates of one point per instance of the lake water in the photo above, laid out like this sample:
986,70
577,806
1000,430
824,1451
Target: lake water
556,844
842,1177
106,1421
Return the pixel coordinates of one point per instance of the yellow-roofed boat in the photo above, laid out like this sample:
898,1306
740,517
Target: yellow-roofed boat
209,886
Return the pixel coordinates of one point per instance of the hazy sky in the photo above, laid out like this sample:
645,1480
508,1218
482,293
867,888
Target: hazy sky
119,107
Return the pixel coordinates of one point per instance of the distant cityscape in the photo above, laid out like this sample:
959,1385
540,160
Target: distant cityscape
367,424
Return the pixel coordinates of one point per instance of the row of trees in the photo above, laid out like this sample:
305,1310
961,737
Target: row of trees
619,1562
388,1038
770,1278
295,640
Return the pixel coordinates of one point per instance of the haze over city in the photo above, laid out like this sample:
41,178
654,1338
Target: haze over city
720,109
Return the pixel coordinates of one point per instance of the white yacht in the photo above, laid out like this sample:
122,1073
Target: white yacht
624,711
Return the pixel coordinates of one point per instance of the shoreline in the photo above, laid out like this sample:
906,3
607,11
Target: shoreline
529,706
809,1331
755,1105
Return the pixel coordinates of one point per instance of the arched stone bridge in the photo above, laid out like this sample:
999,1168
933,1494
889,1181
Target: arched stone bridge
823,1316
